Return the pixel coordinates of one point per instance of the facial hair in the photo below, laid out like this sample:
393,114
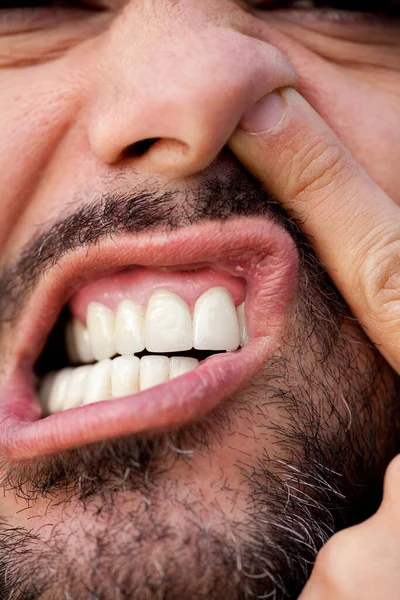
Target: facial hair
322,412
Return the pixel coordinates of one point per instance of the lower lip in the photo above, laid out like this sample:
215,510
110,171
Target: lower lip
272,262
175,403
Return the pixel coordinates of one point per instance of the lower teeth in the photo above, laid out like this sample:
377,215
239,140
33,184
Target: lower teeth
107,379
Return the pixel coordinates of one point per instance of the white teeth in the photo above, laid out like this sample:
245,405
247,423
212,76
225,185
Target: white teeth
167,327
244,336
168,324
76,387
108,379
179,365
98,383
125,376
215,322
78,343
129,328
100,324
153,371
45,390
58,390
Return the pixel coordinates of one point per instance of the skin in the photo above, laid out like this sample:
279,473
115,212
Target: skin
70,114
363,259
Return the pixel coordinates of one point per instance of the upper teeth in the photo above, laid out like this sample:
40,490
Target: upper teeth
166,326
129,329
215,321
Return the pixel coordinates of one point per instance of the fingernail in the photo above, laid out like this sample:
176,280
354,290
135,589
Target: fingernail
265,115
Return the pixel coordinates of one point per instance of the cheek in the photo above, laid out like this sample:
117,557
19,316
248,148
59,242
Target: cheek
34,114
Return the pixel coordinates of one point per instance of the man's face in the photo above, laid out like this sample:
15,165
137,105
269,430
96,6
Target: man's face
121,210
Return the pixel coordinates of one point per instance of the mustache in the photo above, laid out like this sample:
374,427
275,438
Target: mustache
134,212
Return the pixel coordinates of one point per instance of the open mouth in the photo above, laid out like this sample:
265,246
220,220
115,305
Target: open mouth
145,334
129,341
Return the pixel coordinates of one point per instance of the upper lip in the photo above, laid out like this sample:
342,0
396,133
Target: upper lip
262,248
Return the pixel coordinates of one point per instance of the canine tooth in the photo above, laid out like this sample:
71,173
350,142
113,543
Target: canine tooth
215,321
98,382
168,324
100,324
78,342
244,336
76,388
59,390
179,365
153,371
129,328
125,376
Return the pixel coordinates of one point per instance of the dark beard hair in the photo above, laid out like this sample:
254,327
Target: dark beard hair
327,478
214,197
339,417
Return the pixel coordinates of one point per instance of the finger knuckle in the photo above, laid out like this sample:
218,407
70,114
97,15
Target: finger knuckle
315,168
379,280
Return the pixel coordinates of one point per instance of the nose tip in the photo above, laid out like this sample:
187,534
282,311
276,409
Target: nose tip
172,111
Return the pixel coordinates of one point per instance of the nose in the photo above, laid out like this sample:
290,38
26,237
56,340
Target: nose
171,84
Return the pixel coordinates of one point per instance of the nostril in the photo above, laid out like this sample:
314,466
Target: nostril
139,148
162,154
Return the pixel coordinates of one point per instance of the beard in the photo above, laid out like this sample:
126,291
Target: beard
236,505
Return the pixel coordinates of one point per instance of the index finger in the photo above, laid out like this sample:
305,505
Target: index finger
353,225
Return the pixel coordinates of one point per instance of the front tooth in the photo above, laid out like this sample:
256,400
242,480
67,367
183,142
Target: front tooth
215,322
98,382
179,365
244,336
100,324
129,328
76,387
153,371
125,376
59,390
168,324
77,337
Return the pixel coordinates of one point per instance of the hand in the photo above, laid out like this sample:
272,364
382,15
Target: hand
354,226
363,562
355,230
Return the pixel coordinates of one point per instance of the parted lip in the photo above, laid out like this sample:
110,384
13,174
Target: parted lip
256,249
